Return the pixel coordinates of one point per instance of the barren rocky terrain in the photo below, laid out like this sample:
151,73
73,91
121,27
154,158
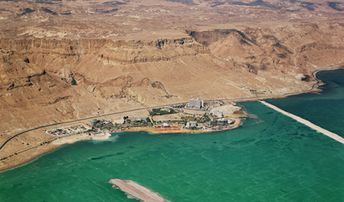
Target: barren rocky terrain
65,60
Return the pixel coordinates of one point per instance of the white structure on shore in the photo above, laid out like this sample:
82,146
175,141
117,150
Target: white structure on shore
195,103
218,114
165,125
71,130
191,124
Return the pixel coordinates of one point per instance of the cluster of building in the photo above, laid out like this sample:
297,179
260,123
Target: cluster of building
72,130
195,103
213,123
194,115
136,122
126,122
101,124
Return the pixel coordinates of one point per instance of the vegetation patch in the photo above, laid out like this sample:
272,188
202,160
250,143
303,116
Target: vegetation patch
162,111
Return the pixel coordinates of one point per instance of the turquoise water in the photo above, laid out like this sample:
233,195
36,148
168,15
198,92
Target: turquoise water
270,158
325,109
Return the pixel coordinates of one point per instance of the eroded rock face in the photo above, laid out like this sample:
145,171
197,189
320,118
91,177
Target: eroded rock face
61,61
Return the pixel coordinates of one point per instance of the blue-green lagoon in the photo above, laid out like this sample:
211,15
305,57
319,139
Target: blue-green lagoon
270,158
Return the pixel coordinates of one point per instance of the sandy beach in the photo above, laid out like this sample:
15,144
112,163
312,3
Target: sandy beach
81,137
8,159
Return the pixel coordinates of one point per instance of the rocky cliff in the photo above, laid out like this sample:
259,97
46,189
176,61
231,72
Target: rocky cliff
62,60
56,79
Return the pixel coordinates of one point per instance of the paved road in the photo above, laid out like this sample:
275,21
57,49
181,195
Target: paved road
77,120
113,113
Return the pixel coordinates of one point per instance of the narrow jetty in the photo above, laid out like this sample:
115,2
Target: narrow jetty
137,191
305,122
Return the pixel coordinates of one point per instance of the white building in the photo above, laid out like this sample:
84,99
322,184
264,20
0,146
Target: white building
165,125
217,114
191,124
195,103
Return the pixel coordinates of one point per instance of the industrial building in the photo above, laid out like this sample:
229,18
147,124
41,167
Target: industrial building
195,103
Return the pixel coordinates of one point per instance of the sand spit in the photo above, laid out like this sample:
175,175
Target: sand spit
305,122
137,191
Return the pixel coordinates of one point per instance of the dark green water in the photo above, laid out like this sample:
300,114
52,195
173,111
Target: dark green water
270,158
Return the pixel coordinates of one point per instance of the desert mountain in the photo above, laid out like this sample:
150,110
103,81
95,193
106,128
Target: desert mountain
63,60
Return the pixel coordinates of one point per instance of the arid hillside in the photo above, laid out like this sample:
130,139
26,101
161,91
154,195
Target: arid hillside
63,60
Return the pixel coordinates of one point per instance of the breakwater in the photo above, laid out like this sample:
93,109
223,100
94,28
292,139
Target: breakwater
305,122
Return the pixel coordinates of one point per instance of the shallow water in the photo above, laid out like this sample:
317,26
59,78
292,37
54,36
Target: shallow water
270,158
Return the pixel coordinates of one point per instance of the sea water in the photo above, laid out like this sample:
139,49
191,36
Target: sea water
269,158
326,108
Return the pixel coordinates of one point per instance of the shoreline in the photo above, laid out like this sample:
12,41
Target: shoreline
31,159
80,137
157,131
50,146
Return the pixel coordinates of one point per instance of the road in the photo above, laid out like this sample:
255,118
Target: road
77,120
252,98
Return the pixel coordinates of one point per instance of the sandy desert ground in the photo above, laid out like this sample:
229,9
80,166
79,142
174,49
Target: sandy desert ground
67,60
